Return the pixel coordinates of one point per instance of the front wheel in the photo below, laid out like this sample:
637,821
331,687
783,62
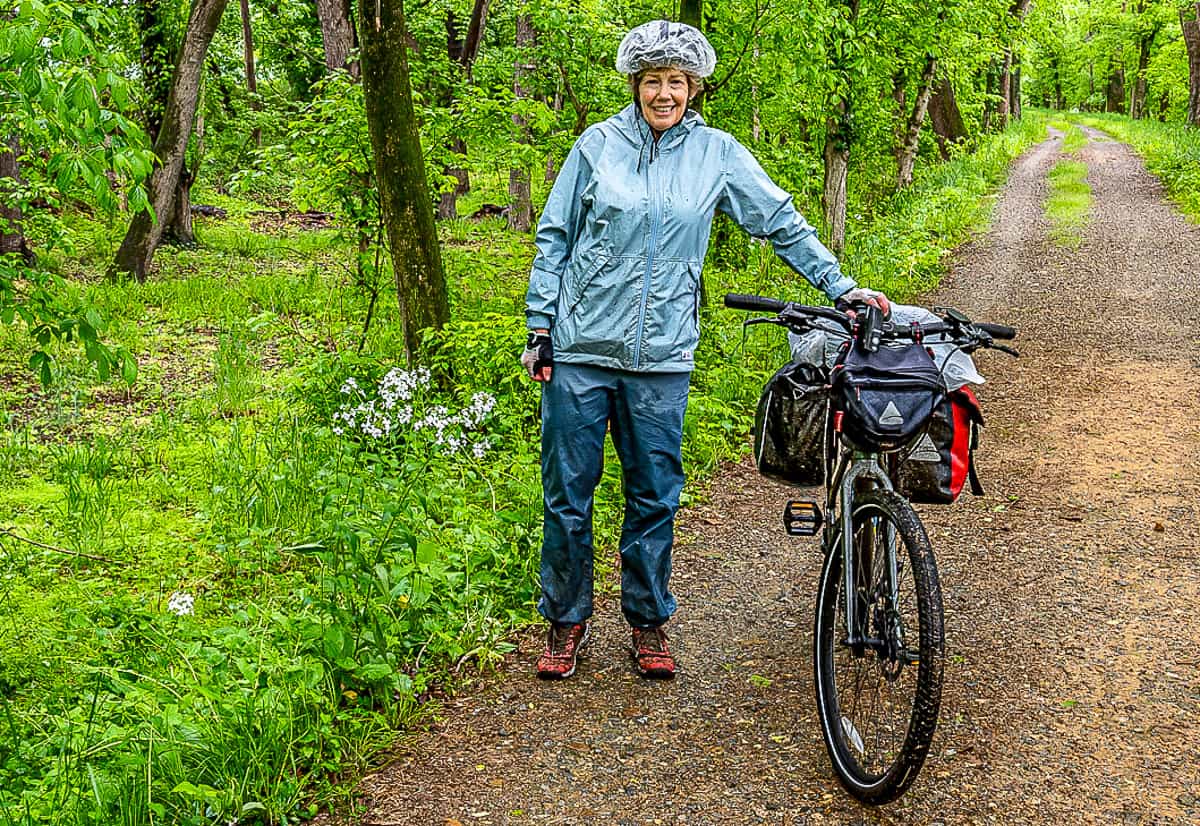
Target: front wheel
879,683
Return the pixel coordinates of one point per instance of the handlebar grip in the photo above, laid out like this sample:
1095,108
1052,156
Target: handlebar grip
997,330
754,303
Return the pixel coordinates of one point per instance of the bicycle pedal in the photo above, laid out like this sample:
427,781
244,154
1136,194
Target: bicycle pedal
802,517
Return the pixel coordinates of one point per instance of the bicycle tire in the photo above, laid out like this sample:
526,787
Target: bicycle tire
883,778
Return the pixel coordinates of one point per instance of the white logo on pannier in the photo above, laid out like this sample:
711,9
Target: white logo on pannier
925,451
891,416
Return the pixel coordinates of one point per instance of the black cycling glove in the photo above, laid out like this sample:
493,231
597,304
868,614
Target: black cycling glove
539,353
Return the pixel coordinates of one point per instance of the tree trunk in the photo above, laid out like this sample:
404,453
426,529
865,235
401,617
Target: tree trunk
400,170
837,150
1114,92
906,147
1189,20
692,13
463,51
1005,104
1010,104
179,228
170,146
1058,89
944,116
157,64
755,118
12,237
837,168
989,95
1014,104
520,210
337,35
251,80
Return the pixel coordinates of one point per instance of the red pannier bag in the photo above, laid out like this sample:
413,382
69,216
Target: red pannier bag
938,466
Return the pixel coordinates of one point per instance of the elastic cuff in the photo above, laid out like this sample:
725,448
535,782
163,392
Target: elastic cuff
838,288
537,321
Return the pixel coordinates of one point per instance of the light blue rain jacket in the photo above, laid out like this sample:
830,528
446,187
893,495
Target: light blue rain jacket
622,240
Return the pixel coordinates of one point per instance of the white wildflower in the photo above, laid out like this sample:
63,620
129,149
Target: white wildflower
181,603
480,448
349,386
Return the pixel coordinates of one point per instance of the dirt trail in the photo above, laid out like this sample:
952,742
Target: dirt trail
1071,589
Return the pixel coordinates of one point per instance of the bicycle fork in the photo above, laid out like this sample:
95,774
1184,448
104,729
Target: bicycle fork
839,535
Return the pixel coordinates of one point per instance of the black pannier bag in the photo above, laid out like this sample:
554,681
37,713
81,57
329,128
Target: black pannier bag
938,466
789,428
885,398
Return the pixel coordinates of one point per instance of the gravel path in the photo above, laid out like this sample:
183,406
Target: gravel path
1072,675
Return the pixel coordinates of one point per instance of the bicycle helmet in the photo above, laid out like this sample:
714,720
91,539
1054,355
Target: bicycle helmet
661,43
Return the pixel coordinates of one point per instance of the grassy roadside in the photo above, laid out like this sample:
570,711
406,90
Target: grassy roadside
1171,152
219,595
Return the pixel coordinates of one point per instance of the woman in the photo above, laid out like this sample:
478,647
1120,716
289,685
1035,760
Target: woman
613,311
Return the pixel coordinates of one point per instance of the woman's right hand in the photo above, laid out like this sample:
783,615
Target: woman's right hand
538,357
863,295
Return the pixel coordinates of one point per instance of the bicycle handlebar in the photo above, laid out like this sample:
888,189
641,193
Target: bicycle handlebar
997,330
754,303
980,333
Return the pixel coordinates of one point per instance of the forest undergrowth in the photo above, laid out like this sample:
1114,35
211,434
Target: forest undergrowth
225,588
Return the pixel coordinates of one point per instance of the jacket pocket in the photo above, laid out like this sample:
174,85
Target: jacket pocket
577,286
695,274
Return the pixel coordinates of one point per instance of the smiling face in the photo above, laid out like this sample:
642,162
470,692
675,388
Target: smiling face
663,95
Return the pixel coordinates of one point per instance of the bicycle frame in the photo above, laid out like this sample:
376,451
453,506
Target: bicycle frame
851,467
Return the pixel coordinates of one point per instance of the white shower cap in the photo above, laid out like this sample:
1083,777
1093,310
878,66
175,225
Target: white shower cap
661,43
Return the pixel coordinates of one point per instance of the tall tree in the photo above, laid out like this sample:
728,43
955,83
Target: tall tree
157,57
908,124
1114,90
692,13
400,170
945,117
337,35
520,206
1189,21
1010,103
463,51
12,236
170,146
840,41
248,60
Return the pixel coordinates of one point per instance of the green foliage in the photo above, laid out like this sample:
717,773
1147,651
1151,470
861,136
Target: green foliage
1075,48
339,573
1170,152
63,95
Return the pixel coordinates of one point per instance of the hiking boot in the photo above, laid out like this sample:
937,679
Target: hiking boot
563,643
651,653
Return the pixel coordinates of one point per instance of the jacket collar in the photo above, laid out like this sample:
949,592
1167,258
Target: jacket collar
638,131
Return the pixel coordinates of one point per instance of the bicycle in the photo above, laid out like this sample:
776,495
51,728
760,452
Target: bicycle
878,639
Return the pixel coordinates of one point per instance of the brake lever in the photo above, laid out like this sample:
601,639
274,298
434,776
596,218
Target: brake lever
1004,349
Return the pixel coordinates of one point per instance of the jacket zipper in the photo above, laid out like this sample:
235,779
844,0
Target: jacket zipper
654,210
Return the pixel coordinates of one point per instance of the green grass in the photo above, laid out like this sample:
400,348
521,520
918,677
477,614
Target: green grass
1171,152
1074,140
336,582
1069,203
